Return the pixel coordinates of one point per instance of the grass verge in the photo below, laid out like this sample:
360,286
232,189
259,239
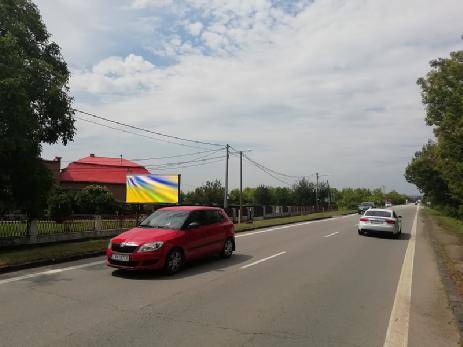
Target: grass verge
64,251
448,223
53,252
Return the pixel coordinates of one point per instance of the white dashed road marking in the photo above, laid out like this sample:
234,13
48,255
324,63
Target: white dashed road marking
262,260
332,234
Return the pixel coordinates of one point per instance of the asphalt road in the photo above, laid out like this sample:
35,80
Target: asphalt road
312,284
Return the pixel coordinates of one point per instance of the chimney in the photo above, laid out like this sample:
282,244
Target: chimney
92,155
58,160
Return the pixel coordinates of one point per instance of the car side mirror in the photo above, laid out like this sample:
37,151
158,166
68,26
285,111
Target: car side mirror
192,225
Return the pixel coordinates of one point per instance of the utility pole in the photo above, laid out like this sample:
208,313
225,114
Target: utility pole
225,196
329,194
240,213
316,193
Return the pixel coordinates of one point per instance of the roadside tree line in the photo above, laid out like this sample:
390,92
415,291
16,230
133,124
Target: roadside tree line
302,193
437,169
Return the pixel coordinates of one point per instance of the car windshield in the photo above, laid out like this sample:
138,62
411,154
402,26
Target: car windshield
378,213
165,219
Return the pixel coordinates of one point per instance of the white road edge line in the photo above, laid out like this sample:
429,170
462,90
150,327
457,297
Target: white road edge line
49,272
397,330
262,260
332,234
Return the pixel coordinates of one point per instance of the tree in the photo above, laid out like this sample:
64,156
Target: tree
283,196
442,95
95,199
304,192
60,204
211,193
395,198
423,171
263,195
35,107
377,196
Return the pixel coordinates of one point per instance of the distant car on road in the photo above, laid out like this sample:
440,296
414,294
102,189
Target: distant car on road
171,236
383,221
365,206
388,204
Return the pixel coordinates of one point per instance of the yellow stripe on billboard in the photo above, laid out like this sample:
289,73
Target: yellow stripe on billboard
153,189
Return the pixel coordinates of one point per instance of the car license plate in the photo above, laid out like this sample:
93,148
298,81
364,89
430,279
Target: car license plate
376,221
120,257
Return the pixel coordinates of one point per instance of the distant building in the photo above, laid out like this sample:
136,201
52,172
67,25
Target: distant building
108,172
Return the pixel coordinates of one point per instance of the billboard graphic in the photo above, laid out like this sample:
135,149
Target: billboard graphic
153,189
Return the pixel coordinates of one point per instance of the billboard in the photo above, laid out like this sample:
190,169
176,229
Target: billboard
153,189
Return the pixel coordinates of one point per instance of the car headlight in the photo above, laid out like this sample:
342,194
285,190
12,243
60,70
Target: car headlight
151,246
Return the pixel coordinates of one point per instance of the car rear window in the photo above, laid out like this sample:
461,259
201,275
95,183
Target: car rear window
378,213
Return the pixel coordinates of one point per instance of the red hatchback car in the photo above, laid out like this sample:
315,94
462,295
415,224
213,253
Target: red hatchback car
171,236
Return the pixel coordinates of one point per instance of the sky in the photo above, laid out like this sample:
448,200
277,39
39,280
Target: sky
303,86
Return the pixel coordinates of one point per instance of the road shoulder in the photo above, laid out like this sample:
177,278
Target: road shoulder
432,320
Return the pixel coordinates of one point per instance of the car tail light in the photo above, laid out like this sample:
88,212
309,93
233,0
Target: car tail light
363,219
390,221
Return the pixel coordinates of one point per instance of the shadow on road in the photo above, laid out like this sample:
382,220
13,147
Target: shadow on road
403,236
191,269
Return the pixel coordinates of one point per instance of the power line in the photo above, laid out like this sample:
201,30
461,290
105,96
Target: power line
113,168
267,172
146,130
177,155
137,134
194,165
262,166
185,162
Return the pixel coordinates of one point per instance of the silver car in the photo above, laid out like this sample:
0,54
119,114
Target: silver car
382,221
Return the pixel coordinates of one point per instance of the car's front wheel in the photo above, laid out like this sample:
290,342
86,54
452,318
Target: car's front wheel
227,250
174,261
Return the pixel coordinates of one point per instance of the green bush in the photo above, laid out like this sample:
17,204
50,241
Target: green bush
60,204
95,199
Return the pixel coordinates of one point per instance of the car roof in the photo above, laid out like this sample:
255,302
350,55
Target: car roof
189,208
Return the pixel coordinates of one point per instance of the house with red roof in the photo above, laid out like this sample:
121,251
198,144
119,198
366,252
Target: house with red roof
108,172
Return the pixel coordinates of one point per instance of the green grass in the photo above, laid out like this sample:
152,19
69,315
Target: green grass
448,223
287,220
46,252
62,250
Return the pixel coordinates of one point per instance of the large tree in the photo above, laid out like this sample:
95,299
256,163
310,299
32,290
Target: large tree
35,106
442,94
424,173
210,193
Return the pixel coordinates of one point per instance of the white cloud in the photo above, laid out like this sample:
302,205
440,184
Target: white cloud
326,87
195,28
151,3
116,75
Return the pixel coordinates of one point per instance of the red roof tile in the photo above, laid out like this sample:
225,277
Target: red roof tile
101,170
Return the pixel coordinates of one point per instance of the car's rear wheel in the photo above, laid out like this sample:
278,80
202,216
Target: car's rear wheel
227,250
360,232
174,261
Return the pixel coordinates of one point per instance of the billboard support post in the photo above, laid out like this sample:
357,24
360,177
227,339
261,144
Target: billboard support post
179,190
